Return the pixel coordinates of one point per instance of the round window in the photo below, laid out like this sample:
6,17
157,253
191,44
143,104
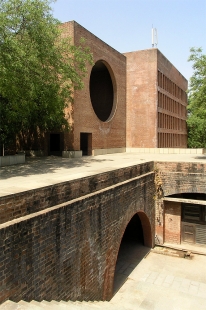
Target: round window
101,91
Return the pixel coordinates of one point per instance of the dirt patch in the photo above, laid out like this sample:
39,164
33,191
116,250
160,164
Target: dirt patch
172,252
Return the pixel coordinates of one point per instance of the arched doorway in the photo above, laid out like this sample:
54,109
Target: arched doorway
135,244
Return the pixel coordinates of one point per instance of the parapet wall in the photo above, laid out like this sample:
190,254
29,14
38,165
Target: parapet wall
25,203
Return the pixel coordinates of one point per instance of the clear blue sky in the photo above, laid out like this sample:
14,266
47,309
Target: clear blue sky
126,24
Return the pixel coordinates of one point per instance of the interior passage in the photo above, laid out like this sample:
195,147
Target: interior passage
131,252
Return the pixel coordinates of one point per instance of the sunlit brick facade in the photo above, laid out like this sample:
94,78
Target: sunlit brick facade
156,102
132,100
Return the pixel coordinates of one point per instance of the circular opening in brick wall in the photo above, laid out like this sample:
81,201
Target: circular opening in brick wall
102,91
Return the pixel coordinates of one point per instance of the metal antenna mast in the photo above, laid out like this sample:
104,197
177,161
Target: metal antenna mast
154,37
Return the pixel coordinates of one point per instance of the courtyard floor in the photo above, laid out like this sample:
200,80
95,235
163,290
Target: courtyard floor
159,281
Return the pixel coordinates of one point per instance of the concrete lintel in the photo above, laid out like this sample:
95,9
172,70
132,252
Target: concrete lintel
191,201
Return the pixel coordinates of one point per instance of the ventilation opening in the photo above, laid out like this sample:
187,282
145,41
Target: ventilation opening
101,91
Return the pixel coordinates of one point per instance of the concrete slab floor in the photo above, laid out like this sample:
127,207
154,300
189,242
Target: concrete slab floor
159,281
44,171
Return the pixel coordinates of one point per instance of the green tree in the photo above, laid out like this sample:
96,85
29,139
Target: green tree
39,68
197,101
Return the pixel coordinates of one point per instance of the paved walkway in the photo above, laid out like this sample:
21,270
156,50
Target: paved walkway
40,172
162,282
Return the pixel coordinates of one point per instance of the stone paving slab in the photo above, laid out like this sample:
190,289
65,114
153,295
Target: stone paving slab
165,282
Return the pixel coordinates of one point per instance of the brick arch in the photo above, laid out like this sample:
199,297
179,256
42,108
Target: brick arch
147,233
146,227
186,192
181,189
182,177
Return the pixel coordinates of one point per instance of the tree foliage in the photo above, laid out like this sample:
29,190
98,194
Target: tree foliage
39,68
197,100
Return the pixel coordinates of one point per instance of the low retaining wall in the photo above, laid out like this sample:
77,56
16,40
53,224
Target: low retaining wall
166,150
71,154
12,160
108,151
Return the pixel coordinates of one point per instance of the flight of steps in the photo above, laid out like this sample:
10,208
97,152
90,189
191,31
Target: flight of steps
62,305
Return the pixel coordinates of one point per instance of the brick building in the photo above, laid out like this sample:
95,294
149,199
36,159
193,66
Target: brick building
156,102
135,99
97,115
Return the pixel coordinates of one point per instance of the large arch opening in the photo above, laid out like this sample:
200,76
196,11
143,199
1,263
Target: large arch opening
102,91
135,244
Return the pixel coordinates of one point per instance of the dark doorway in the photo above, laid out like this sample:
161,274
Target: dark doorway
86,143
131,252
55,144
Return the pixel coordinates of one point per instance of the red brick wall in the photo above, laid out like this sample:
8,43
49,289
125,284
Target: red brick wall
112,133
182,177
156,112
142,98
176,178
69,251
172,222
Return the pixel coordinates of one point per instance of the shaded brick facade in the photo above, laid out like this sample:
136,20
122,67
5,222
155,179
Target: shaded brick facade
69,251
83,119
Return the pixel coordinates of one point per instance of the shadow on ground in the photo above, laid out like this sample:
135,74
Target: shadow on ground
200,157
130,255
44,165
